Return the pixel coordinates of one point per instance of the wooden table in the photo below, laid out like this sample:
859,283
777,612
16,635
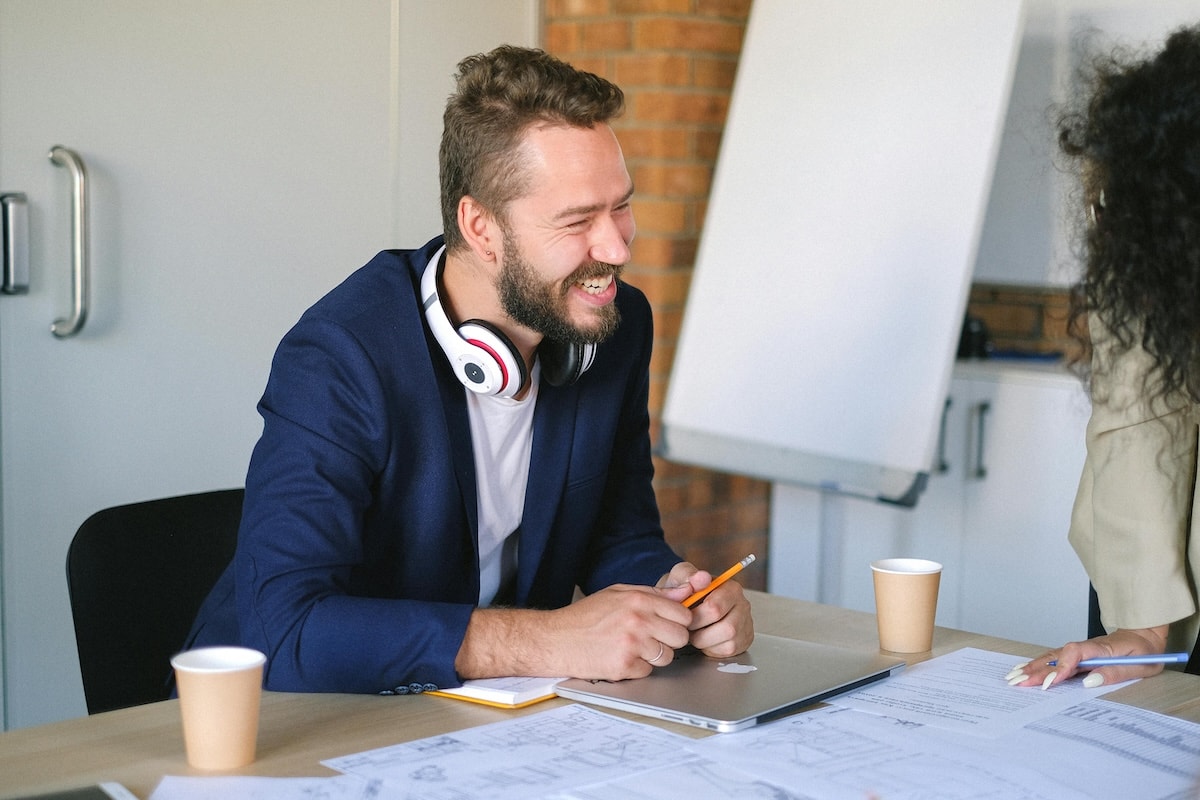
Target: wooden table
137,746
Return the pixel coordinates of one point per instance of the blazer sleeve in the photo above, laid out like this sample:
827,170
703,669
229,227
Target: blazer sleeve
1131,522
306,594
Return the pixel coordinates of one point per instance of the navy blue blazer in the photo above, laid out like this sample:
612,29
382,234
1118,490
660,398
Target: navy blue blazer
356,567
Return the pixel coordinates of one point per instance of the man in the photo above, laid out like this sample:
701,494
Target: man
457,437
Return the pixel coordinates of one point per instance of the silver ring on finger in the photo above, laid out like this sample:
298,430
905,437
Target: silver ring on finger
661,650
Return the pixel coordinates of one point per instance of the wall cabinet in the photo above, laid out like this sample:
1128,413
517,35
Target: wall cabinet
995,513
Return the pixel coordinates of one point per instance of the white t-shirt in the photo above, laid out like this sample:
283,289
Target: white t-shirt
502,438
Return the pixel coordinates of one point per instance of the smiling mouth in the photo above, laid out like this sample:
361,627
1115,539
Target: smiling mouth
595,285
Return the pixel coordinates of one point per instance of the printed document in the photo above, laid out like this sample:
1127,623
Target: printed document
965,691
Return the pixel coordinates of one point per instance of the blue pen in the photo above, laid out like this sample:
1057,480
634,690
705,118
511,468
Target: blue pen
1113,661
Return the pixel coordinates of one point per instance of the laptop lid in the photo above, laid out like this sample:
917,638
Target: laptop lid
774,677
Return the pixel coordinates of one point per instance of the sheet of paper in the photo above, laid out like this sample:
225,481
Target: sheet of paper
1091,750
965,691
341,787
695,778
1109,749
835,752
525,757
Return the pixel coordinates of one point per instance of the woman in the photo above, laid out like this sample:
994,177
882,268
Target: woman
1137,144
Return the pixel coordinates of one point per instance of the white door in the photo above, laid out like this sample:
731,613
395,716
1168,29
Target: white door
242,158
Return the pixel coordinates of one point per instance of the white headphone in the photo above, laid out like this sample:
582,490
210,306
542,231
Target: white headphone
484,359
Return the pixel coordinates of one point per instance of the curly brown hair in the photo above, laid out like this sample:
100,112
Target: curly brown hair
1137,144
499,95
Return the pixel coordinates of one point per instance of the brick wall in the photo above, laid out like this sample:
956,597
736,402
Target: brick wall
676,61
1031,319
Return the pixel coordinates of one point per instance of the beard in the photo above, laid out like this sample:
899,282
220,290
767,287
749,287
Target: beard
542,305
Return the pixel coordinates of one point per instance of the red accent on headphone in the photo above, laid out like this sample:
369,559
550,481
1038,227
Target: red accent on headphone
499,361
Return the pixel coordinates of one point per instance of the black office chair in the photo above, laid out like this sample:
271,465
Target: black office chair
1095,626
137,575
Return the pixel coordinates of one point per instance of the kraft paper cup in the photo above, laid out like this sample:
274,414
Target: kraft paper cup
906,591
220,689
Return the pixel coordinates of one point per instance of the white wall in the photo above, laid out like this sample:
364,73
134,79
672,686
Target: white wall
1027,230
243,158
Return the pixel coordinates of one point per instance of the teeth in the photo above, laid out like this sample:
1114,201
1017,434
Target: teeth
596,285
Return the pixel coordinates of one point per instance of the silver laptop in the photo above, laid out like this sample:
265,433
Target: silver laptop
776,676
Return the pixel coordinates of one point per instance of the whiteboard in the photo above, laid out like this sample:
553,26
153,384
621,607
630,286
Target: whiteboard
835,261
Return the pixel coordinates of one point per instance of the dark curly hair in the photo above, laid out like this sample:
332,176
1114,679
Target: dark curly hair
498,96
1137,145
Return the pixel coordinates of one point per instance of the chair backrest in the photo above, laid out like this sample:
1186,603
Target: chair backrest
1095,627
137,575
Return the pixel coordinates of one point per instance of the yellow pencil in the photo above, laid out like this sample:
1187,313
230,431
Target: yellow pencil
717,581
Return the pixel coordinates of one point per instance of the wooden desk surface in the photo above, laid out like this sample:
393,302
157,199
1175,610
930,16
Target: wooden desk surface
137,746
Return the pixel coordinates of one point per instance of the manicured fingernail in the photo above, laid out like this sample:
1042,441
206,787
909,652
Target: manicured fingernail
1019,669
1093,680
1013,680
1049,680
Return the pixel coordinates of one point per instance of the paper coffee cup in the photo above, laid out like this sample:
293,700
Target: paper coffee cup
220,689
906,591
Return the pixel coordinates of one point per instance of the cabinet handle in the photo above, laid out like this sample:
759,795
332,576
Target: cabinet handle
982,411
14,210
943,466
63,328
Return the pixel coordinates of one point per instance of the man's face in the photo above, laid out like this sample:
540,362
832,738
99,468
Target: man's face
567,240
543,305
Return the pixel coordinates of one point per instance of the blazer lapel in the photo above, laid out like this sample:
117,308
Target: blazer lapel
458,426
553,432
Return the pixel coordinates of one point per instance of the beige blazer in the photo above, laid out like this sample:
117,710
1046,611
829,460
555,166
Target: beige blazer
1132,524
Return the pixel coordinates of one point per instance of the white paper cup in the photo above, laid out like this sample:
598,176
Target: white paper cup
220,689
906,591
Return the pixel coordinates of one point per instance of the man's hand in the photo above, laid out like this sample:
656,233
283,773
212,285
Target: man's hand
617,633
722,625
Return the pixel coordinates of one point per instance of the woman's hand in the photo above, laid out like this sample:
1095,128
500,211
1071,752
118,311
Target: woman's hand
1122,642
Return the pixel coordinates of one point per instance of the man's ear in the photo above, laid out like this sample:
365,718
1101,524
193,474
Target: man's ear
478,228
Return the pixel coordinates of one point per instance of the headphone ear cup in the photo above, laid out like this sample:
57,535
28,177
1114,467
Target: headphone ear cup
563,363
502,367
484,360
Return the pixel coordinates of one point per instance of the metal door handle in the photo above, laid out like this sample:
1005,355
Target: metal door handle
982,410
62,328
942,465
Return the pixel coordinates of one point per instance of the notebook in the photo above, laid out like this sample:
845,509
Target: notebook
774,677
503,692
